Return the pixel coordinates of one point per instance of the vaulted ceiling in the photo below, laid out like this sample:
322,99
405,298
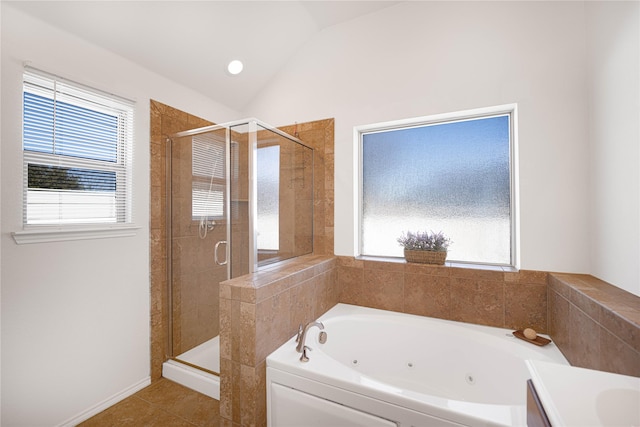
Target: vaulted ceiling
191,42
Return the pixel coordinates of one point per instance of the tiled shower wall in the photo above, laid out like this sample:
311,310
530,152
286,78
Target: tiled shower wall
164,121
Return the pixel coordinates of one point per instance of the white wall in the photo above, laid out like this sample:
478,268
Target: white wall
422,58
614,133
0,224
75,315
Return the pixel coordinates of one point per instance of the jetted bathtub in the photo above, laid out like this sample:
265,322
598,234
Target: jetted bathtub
382,368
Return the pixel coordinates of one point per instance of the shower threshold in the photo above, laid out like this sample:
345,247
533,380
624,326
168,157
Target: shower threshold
197,368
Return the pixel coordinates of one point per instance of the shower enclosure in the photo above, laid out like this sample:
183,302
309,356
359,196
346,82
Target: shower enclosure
239,198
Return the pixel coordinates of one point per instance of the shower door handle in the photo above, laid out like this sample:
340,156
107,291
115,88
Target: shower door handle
215,253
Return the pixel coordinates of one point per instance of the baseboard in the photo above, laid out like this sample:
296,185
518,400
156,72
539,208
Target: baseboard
107,403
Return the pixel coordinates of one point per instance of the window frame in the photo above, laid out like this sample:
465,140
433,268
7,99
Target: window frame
508,109
80,230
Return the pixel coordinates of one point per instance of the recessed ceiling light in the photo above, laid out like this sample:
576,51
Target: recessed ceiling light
235,67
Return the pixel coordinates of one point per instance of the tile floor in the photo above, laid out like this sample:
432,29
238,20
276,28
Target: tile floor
162,404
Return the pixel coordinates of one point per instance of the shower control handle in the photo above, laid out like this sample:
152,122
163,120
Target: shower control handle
215,253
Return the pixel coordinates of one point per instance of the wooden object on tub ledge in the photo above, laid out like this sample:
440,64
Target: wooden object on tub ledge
425,257
538,340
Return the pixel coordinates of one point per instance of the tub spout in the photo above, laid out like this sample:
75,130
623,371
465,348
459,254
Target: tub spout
301,345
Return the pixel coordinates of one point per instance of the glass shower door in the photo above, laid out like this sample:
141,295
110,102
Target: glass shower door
198,246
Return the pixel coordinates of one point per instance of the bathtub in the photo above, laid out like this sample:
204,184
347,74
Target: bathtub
382,368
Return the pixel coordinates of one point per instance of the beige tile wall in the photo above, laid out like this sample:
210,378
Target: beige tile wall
165,121
258,313
486,297
595,324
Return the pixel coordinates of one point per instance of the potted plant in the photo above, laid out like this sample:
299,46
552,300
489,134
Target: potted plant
425,247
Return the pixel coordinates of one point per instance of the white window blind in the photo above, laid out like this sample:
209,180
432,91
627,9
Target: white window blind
208,176
77,148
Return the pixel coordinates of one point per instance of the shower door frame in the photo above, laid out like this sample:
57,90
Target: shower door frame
169,221
253,124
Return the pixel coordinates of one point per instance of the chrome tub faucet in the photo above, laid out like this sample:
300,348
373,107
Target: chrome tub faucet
302,336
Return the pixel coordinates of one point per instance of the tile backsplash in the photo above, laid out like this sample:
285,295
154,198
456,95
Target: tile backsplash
513,300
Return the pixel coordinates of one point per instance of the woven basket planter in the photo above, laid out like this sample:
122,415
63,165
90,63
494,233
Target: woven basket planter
425,257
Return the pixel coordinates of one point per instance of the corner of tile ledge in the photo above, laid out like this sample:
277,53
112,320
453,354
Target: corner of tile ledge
287,267
607,296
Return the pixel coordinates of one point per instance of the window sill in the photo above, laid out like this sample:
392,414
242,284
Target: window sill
45,235
456,264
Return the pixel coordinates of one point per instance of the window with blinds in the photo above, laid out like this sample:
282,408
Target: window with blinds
77,145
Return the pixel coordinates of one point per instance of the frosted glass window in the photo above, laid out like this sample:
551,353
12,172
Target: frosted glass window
452,176
268,176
